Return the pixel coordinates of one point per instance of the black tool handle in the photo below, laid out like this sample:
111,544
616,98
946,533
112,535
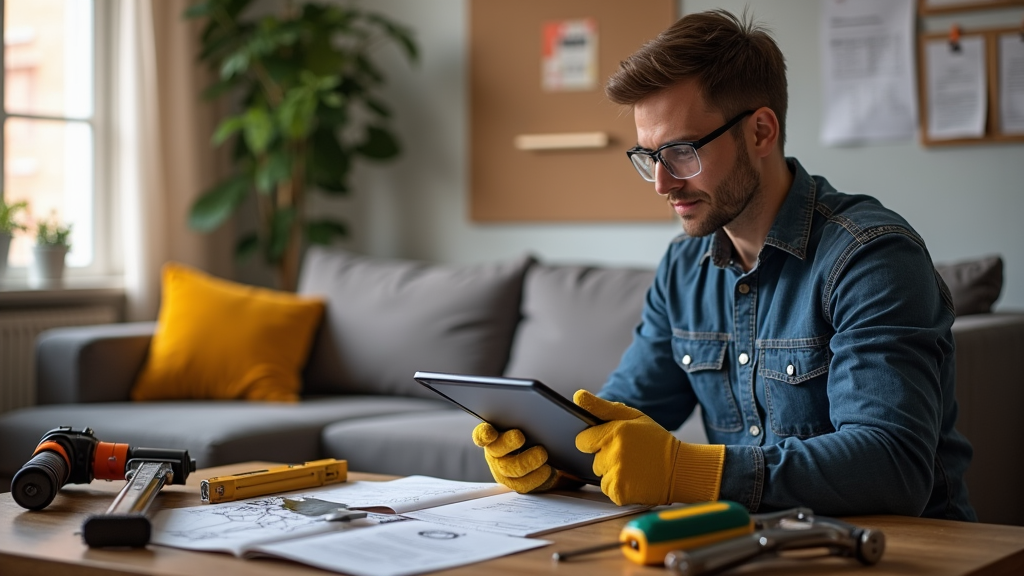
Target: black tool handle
125,522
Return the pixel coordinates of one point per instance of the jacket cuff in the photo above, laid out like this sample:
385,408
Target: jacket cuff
698,473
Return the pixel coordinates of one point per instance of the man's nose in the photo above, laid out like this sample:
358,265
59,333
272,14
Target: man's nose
665,183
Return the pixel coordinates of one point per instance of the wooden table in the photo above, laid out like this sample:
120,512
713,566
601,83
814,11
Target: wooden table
47,542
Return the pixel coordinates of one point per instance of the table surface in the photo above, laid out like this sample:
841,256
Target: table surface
49,542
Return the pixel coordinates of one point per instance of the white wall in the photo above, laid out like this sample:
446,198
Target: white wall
965,201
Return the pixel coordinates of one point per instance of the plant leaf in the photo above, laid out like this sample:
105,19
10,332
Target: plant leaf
275,168
329,162
297,112
398,33
377,106
218,89
198,10
280,233
380,144
235,64
246,246
258,129
333,116
323,231
216,204
368,69
229,126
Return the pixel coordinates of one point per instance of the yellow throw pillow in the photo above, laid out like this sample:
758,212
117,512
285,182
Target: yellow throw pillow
219,340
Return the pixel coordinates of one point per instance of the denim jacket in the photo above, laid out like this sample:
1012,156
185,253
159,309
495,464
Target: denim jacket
827,370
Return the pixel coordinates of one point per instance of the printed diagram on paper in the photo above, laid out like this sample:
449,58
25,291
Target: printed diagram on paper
236,521
234,526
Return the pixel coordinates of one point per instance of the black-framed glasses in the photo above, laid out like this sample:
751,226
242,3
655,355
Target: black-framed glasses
679,158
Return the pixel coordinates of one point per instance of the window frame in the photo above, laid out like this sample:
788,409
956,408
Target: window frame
105,262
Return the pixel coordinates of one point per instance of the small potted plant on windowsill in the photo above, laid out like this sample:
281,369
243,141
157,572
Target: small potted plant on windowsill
8,226
53,240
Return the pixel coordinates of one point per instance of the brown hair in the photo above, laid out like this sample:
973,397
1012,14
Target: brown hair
736,63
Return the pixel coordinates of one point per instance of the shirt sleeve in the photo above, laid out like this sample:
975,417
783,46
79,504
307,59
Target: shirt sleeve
648,377
890,389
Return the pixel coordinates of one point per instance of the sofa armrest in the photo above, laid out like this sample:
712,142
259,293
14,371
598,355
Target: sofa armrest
90,363
990,393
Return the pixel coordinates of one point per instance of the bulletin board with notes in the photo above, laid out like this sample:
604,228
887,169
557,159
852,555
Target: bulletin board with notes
971,81
546,144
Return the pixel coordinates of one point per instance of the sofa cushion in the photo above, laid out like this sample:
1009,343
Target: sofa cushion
974,284
214,433
386,319
435,443
577,322
220,340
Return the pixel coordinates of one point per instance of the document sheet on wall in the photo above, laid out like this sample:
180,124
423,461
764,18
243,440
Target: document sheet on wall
956,84
867,59
1011,83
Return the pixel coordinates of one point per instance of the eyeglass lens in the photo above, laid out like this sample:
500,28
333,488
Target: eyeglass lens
681,161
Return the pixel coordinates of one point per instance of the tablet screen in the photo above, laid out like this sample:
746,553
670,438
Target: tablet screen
544,416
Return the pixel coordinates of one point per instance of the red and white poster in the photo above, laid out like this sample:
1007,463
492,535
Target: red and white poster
569,55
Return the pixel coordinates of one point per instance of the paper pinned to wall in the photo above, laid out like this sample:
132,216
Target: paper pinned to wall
1011,83
956,80
868,71
569,55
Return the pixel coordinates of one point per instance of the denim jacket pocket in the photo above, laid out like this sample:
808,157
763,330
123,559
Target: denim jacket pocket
702,356
795,374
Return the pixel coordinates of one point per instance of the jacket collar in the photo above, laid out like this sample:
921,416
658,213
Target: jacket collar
791,230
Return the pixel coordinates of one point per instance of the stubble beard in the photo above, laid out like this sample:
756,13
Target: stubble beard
731,198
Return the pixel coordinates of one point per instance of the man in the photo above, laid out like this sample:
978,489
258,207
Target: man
809,325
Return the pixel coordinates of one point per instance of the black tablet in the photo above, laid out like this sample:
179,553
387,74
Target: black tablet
545,416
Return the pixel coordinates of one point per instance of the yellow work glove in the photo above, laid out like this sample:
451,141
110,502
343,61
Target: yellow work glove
524,472
640,462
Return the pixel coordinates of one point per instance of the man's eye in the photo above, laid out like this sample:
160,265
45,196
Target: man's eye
678,154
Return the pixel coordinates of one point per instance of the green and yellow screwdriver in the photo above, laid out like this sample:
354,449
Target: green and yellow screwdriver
648,538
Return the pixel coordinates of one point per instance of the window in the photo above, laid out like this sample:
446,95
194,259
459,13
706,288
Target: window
53,125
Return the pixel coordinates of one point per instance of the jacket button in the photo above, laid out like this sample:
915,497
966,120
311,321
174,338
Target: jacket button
790,369
754,430
687,360
744,289
743,359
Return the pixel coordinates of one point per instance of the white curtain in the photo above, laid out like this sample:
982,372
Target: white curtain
163,158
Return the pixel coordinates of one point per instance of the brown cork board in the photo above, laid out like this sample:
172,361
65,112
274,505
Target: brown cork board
507,100
931,7
993,133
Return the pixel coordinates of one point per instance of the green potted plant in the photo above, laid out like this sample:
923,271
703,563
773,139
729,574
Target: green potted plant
309,109
53,241
9,224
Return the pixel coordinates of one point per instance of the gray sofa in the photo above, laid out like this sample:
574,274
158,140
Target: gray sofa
385,319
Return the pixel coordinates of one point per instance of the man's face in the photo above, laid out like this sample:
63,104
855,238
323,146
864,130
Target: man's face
727,182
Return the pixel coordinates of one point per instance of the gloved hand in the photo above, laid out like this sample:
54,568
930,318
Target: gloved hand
640,462
524,472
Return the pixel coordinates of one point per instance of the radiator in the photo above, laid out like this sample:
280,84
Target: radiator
18,332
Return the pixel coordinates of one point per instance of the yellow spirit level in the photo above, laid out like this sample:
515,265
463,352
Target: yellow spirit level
273,480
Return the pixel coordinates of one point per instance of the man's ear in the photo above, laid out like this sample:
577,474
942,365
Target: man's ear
766,131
